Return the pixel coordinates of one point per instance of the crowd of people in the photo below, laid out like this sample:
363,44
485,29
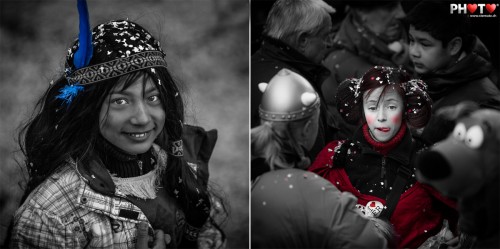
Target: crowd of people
341,113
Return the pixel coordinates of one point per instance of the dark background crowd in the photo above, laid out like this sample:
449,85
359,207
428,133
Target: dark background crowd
485,28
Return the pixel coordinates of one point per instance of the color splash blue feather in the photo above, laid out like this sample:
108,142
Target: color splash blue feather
85,49
68,93
82,55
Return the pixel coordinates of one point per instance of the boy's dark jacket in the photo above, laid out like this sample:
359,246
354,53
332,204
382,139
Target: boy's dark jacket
472,78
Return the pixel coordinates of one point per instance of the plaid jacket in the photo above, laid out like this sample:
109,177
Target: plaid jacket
64,212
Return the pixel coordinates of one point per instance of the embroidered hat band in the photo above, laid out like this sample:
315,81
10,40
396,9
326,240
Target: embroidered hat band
117,67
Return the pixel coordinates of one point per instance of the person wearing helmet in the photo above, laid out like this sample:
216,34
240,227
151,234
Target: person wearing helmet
293,208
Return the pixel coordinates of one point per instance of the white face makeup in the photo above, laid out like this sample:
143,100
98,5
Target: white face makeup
383,114
132,118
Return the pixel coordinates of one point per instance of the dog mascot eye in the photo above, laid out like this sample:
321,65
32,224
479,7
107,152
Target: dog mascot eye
459,131
474,137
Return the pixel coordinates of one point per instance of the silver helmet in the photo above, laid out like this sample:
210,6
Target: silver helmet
287,97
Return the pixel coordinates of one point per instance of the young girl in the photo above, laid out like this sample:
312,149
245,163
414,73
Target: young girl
104,151
292,208
376,165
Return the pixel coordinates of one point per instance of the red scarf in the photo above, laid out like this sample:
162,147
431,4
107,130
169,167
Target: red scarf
384,147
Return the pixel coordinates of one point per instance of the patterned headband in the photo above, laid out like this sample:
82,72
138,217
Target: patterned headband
116,68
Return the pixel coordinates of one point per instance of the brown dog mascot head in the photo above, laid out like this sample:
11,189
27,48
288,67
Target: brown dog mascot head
466,166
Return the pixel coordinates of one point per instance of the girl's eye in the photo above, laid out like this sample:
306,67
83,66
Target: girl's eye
372,108
120,101
154,98
392,107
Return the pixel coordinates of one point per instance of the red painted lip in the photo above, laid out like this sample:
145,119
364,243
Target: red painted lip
383,129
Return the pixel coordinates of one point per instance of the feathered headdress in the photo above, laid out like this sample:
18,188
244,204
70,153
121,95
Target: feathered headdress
83,54
110,50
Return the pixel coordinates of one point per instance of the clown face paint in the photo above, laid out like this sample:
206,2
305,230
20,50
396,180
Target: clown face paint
132,118
383,113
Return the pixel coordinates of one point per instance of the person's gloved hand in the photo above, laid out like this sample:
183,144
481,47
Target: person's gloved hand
158,240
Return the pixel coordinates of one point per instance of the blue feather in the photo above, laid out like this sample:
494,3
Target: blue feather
68,93
85,49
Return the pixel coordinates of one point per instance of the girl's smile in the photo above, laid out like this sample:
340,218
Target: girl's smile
138,136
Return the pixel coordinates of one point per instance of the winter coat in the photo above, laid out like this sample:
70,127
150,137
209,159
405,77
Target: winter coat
369,175
72,209
468,79
275,55
356,50
293,208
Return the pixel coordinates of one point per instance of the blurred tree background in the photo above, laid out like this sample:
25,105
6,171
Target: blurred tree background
206,42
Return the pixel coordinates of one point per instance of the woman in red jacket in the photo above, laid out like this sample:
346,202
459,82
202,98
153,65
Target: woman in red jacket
376,164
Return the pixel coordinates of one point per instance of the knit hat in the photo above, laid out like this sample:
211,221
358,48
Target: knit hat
287,97
418,104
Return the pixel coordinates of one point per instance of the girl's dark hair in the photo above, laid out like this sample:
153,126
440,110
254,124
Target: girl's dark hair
417,103
57,132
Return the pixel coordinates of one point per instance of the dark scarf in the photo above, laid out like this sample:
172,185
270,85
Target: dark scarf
361,41
122,164
475,65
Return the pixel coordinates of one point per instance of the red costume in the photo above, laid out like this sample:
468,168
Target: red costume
369,172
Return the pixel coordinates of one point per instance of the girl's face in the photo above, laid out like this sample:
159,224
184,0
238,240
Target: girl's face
132,118
383,114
